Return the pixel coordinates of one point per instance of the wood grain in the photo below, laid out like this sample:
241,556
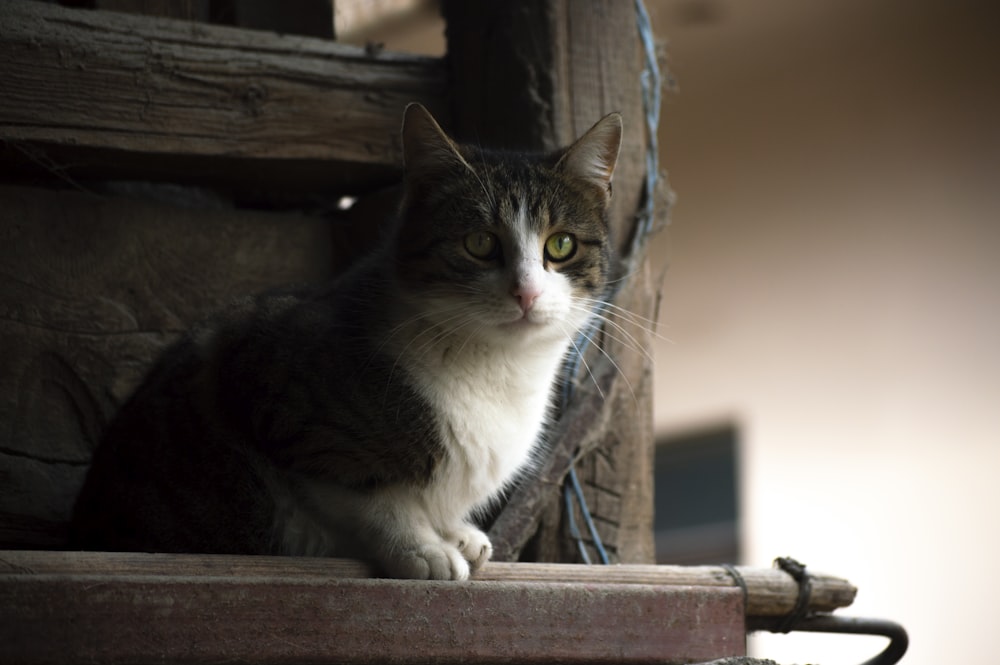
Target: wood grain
771,592
92,288
117,619
107,94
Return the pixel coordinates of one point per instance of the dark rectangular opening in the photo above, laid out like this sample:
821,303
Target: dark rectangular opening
696,497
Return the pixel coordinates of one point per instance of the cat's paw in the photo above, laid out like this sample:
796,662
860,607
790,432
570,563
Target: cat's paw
474,545
430,561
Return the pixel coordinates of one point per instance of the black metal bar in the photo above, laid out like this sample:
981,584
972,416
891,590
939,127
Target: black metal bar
898,639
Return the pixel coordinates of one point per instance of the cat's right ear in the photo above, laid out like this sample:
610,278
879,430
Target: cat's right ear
428,153
593,157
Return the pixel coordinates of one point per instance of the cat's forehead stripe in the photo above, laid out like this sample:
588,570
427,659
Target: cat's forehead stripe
522,229
526,215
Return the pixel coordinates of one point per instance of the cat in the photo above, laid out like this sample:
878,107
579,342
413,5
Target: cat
377,416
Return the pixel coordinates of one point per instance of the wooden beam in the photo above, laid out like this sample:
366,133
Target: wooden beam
105,94
770,592
153,618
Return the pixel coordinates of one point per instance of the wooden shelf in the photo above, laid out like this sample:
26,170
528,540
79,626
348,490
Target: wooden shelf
59,607
67,607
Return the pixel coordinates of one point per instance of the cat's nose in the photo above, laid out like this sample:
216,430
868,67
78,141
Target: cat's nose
526,295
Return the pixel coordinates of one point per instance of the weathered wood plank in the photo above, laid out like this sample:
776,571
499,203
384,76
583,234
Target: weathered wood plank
770,592
153,619
92,289
106,94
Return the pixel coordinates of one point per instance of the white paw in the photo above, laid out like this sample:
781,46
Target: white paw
474,545
430,561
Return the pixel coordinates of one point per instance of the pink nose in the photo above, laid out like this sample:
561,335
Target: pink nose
526,295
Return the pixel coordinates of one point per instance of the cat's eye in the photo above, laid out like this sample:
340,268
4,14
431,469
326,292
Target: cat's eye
482,245
560,247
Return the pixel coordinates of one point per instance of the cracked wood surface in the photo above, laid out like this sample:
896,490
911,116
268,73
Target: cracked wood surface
106,94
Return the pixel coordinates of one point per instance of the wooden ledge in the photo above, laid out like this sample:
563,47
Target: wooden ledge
67,607
770,592
114,607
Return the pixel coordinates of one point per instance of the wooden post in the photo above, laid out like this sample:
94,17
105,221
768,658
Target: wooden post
536,75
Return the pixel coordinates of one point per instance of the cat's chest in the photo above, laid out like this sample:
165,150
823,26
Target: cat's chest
490,409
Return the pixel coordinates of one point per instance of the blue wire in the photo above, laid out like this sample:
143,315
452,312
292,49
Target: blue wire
652,90
588,520
574,531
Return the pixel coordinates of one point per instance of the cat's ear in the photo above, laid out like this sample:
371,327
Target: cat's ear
594,155
427,150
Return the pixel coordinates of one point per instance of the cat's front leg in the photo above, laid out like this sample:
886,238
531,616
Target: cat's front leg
398,533
474,545
453,555
431,559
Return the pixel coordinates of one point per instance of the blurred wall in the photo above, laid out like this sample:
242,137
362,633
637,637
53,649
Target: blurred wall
834,292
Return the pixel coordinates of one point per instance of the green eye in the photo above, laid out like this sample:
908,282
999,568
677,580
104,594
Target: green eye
560,246
482,245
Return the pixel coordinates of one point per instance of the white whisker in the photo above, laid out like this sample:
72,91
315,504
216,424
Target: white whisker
583,360
626,313
624,337
645,324
624,278
615,364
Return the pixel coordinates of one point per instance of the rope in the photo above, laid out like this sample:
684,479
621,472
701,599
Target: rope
740,582
804,579
652,85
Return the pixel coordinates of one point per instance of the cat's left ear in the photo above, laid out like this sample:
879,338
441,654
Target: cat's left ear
427,150
594,155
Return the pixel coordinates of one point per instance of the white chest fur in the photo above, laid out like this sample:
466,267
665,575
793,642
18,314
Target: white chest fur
491,404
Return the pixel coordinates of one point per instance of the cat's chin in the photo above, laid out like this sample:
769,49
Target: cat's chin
523,321
533,320
530,329
521,327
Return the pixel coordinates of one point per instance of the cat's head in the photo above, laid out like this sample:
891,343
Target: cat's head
503,244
